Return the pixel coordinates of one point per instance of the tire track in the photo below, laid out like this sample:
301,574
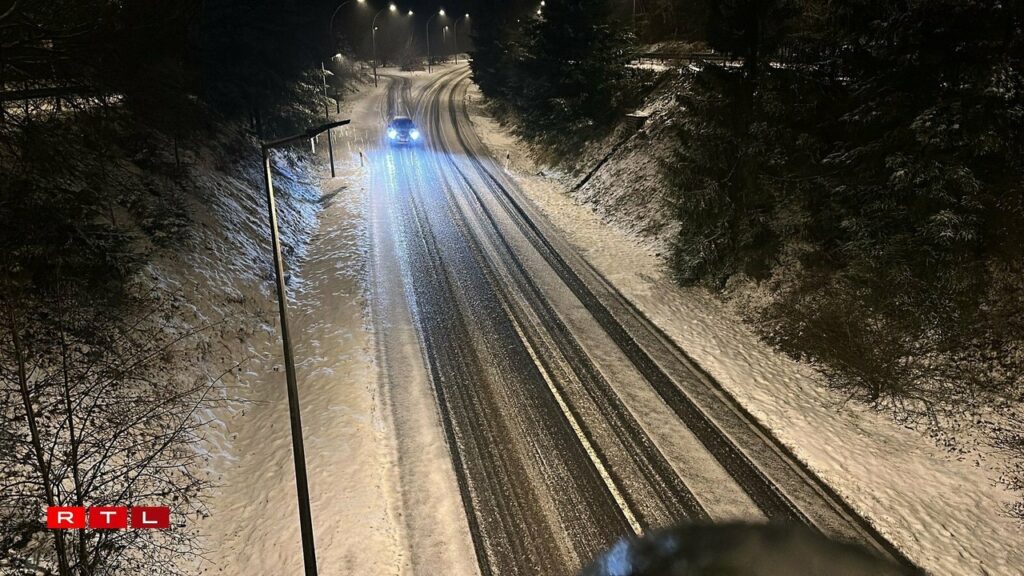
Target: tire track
831,514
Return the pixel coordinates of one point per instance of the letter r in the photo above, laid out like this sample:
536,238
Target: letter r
65,517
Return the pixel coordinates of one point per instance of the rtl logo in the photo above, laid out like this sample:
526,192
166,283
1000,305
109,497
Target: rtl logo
107,517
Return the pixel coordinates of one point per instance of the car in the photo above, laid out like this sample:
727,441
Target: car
402,130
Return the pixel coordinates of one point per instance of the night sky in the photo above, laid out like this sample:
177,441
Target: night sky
396,29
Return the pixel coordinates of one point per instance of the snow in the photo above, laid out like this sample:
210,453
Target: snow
252,527
948,516
652,65
383,502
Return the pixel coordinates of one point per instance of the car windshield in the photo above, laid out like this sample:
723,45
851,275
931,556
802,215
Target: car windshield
402,123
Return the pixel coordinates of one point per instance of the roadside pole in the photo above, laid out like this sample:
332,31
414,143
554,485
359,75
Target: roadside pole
327,116
298,448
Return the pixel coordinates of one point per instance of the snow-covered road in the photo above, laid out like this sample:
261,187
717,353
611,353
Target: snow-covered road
478,397
572,421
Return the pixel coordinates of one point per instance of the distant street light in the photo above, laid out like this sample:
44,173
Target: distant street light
412,30
298,449
444,39
323,67
330,23
456,34
373,34
439,13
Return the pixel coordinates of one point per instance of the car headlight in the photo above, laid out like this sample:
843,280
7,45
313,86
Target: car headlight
414,134
392,133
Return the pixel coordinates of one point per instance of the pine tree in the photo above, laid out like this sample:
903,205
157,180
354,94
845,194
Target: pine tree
497,42
575,70
749,29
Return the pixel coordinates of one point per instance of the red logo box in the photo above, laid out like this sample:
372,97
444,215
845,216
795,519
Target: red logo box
65,517
158,517
108,517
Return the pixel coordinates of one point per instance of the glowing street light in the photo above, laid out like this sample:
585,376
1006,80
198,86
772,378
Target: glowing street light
439,13
373,33
456,32
323,68
330,23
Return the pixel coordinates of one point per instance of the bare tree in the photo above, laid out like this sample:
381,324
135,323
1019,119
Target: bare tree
96,411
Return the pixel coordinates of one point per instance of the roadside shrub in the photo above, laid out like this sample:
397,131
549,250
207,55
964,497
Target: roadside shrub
875,184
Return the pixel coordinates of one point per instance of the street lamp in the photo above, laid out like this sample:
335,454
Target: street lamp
373,33
323,67
456,34
444,40
412,30
298,449
439,13
330,24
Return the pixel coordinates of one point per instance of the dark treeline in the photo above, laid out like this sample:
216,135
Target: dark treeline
564,74
231,57
117,117
88,83
859,160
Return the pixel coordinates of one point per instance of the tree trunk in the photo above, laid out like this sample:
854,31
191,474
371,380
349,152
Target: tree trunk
73,439
37,445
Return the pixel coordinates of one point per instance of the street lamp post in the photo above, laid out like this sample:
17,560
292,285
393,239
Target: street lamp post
330,23
444,42
327,116
439,13
456,34
412,30
298,449
323,67
373,34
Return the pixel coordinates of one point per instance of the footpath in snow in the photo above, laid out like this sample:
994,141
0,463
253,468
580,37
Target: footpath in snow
946,515
383,495
253,523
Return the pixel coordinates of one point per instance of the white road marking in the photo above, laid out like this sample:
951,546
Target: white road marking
609,483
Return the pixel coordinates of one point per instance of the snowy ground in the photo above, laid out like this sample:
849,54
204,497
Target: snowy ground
384,499
947,515
253,523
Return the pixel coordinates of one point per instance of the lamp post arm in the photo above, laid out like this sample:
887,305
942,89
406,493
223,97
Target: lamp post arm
330,23
382,10
455,32
373,38
428,40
